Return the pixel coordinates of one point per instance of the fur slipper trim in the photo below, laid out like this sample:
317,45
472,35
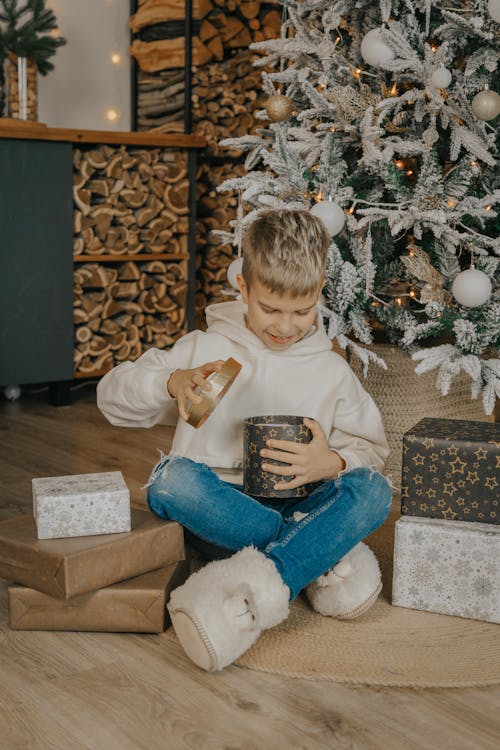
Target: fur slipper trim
362,608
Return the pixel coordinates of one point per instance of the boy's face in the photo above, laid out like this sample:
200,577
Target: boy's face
278,321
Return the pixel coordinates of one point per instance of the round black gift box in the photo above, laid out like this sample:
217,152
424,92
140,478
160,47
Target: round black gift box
256,432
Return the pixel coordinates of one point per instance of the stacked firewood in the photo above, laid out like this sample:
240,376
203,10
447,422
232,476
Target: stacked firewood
129,201
130,204
215,211
220,28
122,310
226,92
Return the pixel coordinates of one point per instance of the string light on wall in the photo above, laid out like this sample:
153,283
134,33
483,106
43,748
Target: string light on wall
113,113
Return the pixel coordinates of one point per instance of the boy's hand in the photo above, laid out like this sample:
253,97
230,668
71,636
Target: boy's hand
308,462
182,384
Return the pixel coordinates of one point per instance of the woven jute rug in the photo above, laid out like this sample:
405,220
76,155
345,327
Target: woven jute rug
388,646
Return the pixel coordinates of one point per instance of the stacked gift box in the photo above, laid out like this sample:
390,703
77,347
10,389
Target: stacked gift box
86,560
447,541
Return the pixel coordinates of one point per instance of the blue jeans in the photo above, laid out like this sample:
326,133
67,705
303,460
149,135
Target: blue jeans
340,513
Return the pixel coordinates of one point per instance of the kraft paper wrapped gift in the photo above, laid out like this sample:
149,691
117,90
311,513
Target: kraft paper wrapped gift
450,470
137,605
81,505
450,567
67,567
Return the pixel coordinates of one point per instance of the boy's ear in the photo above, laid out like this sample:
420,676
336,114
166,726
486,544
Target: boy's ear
243,287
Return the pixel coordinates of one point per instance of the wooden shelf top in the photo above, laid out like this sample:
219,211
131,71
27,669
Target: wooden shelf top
136,257
29,130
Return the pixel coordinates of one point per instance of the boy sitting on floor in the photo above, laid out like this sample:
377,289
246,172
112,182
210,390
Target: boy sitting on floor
271,550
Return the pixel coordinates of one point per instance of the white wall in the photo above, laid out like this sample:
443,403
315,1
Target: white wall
85,85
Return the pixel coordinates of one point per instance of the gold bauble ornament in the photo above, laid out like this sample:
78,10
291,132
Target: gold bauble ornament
278,107
486,104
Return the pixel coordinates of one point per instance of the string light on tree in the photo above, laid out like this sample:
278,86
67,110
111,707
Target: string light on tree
331,214
375,50
486,104
494,9
471,288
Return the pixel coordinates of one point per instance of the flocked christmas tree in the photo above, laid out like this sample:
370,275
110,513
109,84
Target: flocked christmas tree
381,120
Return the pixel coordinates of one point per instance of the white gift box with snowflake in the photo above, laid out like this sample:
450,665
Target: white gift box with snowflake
450,567
81,505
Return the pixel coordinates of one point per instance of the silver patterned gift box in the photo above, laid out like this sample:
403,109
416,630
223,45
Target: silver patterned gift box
81,505
450,567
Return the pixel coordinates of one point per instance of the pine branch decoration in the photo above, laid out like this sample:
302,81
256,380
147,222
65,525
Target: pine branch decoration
25,32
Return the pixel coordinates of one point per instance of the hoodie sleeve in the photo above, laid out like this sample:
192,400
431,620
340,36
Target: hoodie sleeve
134,394
358,433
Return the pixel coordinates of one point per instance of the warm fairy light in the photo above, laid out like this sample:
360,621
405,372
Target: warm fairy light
374,304
489,208
394,91
434,47
357,72
399,163
398,301
451,202
412,293
338,40
320,87
473,163
55,33
314,168
350,210
116,58
409,172
410,102
113,114
319,197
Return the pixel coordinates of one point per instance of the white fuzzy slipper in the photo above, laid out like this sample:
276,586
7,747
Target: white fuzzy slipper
350,588
220,611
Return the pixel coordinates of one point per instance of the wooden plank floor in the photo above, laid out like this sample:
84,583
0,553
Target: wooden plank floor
76,691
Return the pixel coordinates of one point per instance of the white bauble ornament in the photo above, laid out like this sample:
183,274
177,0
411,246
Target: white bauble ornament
331,214
494,9
441,78
278,107
471,288
375,50
486,105
234,270
12,392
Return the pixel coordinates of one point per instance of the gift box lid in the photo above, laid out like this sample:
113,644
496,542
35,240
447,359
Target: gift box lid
66,567
451,527
52,488
458,430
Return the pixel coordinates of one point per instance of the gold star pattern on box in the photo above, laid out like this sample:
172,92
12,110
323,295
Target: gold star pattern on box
450,470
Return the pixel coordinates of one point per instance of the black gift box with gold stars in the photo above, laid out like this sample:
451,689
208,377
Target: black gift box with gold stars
256,432
451,470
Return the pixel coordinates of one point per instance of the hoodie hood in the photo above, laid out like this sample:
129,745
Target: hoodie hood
228,319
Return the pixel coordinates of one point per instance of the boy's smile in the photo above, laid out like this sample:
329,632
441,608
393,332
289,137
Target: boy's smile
278,321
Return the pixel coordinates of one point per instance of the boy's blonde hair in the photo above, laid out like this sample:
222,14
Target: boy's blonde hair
286,252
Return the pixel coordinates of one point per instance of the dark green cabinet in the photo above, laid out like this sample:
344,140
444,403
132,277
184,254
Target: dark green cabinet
36,261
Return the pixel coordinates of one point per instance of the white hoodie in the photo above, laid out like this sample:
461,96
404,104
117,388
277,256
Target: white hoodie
308,380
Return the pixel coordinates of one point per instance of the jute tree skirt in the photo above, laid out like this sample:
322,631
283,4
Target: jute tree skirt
404,398
390,646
